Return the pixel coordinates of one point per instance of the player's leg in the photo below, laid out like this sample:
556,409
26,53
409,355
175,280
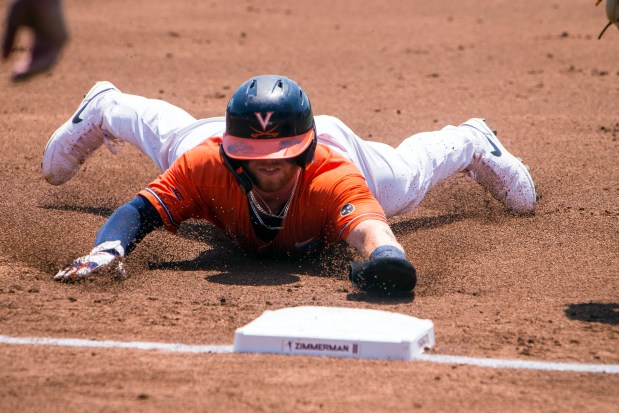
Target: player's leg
162,131
400,178
474,148
106,115
434,157
393,180
191,136
144,123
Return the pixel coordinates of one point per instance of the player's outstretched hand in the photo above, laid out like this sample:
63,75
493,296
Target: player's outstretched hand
384,275
107,255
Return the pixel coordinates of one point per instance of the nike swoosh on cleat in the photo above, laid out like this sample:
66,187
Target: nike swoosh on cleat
496,151
76,117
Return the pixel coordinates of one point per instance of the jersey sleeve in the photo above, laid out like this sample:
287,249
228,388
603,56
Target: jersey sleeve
355,205
348,201
174,193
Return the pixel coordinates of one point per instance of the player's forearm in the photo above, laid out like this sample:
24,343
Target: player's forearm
371,234
385,268
129,224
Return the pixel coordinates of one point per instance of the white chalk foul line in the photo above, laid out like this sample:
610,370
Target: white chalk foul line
139,345
433,358
521,364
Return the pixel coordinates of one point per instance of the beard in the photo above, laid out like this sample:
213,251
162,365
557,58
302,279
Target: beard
284,172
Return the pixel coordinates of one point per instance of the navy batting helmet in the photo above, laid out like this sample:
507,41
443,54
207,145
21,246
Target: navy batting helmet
270,117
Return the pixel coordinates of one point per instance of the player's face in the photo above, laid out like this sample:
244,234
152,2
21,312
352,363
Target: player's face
271,175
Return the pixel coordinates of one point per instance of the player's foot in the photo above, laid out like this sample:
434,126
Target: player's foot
77,138
501,173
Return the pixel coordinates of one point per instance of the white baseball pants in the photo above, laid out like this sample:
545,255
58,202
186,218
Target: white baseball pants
398,177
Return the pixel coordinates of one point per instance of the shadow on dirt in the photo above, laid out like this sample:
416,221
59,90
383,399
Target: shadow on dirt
385,299
607,313
100,211
236,267
253,279
208,233
406,226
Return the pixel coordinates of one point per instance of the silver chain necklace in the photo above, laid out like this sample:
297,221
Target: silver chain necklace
255,206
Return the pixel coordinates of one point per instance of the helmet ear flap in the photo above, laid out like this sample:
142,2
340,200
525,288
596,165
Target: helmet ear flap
233,165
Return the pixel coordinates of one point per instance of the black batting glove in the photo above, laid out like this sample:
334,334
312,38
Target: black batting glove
386,271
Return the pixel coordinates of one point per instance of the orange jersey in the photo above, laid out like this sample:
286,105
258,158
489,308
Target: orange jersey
331,198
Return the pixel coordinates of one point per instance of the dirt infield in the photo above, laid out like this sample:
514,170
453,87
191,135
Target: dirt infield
543,287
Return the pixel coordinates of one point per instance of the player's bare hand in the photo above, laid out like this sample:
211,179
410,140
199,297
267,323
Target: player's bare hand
107,255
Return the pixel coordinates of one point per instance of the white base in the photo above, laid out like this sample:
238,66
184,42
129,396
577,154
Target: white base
338,332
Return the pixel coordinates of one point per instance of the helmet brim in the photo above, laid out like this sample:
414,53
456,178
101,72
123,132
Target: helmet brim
271,148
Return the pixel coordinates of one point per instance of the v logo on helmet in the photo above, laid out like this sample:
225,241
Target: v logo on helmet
268,133
263,121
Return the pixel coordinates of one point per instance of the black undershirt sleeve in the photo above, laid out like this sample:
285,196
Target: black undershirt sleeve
130,223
